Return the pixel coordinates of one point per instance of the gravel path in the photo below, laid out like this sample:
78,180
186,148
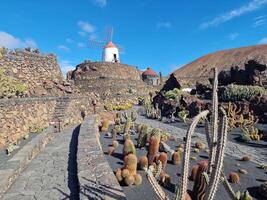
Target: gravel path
51,175
258,155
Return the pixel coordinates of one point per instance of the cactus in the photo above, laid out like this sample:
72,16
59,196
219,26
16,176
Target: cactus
158,169
245,158
128,147
115,144
114,134
196,150
127,126
200,145
124,173
194,173
234,178
200,182
142,137
118,175
232,114
183,115
216,138
137,179
126,136
129,180
176,158
105,126
156,133
263,190
111,150
130,163
143,163
153,149
163,157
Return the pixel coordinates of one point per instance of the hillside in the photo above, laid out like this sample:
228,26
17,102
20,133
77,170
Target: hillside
223,60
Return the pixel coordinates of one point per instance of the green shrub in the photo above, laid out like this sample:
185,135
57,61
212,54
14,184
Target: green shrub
241,92
10,87
174,94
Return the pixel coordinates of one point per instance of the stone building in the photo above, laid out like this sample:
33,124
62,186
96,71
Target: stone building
150,77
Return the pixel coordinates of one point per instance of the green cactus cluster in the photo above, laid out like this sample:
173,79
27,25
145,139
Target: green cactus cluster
183,115
10,87
174,94
241,92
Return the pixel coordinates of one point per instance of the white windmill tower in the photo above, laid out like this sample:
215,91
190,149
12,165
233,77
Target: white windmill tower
110,52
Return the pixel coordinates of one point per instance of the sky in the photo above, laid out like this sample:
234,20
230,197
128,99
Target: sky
162,34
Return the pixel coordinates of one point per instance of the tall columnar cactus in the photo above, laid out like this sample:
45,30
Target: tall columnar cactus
216,137
153,149
200,183
142,137
128,147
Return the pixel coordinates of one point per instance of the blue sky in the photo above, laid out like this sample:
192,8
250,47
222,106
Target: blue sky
162,34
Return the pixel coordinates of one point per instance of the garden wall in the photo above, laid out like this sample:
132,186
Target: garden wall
20,116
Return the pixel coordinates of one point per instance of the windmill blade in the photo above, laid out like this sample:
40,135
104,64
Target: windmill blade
121,49
109,33
96,44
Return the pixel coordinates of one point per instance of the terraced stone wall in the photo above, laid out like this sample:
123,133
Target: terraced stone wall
31,68
20,116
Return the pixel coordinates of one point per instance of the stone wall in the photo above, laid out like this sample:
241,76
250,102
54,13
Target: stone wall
31,68
20,116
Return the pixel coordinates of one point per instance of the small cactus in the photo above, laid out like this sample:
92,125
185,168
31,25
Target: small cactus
126,136
128,147
153,149
263,190
130,163
143,163
129,180
111,150
114,134
142,137
200,145
163,157
125,173
196,150
165,179
245,158
176,158
105,126
137,179
234,178
200,182
115,144
194,173
118,174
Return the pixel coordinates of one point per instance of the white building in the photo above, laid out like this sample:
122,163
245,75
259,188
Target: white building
110,53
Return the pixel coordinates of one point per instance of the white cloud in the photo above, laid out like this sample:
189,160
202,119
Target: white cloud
164,25
249,7
81,45
100,3
86,27
66,66
233,36
63,48
9,41
263,41
259,21
81,33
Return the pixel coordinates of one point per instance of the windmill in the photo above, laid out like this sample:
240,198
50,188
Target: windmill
110,51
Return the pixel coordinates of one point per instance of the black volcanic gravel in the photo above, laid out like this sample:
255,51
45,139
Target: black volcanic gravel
248,181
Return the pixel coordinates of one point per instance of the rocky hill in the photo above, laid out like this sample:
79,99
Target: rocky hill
223,60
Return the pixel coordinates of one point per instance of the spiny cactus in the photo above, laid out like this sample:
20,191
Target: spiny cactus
126,136
200,145
183,115
137,179
153,149
115,144
200,182
111,150
245,158
118,174
130,163
157,170
142,137
125,172
105,126
233,116
163,157
143,163
128,147
216,138
193,173
114,134
129,180
234,178
176,158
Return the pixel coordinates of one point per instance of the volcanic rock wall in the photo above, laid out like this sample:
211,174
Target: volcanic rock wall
31,68
19,116
113,78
